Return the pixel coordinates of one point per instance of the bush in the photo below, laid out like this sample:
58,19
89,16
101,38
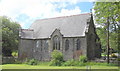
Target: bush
55,62
15,54
82,62
73,63
83,59
32,62
57,58
69,63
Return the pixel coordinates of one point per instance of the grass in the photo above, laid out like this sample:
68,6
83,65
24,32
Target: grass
45,66
24,66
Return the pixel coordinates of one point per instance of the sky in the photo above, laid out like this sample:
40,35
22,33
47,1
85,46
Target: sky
25,12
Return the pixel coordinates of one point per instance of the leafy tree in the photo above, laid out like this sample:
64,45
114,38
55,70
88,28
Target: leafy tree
107,14
10,32
102,34
101,31
109,11
0,37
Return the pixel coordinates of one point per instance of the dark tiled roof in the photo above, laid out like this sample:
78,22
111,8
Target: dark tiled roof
26,33
69,26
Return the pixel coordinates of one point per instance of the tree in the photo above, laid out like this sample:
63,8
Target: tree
102,35
10,36
101,31
0,43
107,14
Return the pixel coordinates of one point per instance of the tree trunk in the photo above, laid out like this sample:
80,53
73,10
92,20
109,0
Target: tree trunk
108,40
119,44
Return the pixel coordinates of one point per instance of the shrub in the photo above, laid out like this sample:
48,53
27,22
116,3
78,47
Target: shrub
55,62
57,58
83,59
69,63
82,62
73,63
32,62
15,54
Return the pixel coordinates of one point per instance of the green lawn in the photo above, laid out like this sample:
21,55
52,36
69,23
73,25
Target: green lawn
24,66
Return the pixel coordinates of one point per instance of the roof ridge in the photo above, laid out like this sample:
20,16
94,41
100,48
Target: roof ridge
59,17
64,16
27,29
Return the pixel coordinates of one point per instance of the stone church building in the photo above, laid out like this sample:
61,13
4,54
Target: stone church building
72,35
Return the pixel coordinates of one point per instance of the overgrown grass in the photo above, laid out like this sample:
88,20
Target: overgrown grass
99,64
24,66
69,63
77,63
40,63
45,65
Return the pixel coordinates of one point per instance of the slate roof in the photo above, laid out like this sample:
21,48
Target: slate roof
26,33
69,26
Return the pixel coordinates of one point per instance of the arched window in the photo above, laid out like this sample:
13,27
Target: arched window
56,43
37,43
66,45
78,44
46,45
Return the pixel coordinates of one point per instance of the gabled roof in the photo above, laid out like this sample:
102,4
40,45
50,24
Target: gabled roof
69,26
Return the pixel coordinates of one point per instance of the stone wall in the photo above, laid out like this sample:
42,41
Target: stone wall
98,50
68,54
41,50
72,53
25,49
93,47
7,60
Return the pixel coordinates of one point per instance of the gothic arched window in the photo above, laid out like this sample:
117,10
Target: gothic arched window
37,43
66,45
46,45
78,44
56,43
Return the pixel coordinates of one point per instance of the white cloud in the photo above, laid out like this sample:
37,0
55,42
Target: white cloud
66,12
22,24
36,9
70,12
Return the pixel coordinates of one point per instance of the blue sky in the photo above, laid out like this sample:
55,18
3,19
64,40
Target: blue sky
25,12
